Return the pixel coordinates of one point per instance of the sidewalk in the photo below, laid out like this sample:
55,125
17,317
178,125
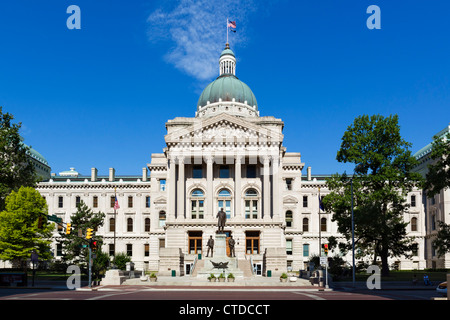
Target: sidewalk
385,285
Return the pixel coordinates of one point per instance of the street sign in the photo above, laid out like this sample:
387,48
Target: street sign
324,261
54,218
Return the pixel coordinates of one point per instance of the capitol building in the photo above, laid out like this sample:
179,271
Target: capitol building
226,156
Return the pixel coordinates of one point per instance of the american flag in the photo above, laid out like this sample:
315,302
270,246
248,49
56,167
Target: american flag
232,24
116,204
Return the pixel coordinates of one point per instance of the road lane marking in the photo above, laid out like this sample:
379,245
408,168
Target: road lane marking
312,296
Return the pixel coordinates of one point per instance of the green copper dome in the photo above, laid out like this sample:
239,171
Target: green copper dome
227,87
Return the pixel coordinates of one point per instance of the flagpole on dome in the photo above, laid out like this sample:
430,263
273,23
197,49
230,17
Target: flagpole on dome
227,29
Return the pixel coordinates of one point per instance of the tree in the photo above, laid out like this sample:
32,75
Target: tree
16,168
24,227
438,176
437,179
73,249
382,178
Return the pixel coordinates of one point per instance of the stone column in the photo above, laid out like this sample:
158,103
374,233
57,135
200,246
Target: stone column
266,188
237,186
209,187
180,191
276,167
171,200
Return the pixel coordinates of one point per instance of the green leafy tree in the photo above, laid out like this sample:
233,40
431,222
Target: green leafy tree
382,178
437,179
121,260
73,249
16,168
438,176
24,227
100,264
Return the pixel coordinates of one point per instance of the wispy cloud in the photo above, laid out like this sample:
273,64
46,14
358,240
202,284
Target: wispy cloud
197,30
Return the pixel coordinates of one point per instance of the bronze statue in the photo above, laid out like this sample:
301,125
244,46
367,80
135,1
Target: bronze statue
210,245
222,219
231,243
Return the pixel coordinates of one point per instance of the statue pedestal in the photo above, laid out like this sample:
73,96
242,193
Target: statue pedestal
113,277
220,245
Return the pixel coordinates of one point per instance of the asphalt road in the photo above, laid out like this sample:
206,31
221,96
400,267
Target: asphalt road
216,303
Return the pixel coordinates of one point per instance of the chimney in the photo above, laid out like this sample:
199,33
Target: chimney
309,174
144,174
112,173
94,174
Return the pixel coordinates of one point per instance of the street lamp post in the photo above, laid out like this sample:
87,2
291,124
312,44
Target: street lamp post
353,234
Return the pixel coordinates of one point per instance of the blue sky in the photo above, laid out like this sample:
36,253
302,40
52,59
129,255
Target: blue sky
100,96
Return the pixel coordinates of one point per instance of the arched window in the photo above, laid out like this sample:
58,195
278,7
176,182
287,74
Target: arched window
198,193
323,224
289,217
251,199
162,218
414,224
224,201
197,204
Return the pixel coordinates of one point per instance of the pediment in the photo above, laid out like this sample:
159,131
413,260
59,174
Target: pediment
223,128
160,200
290,200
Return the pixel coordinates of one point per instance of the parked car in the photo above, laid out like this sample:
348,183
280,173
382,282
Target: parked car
442,288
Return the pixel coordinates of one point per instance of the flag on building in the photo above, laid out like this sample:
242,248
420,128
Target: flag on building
232,25
321,203
116,204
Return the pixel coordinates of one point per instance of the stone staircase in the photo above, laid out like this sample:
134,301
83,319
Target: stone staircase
240,268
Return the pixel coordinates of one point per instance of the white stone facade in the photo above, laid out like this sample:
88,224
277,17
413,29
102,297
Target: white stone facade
233,160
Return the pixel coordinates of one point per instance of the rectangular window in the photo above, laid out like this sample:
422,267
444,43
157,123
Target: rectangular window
252,242
111,249
162,243
306,250
162,185
413,201
251,209
289,184
147,201
305,201
129,250
197,209
112,201
77,201
226,205
59,248
251,171
146,250
195,242
197,172
95,202
224,172
289,246
130,202
60,202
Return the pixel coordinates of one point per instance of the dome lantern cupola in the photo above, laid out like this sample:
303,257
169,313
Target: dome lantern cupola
227,61
227,93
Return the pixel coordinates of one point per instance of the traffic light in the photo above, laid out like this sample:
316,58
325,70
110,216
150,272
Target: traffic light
94,246
325,248
68,228
89,233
